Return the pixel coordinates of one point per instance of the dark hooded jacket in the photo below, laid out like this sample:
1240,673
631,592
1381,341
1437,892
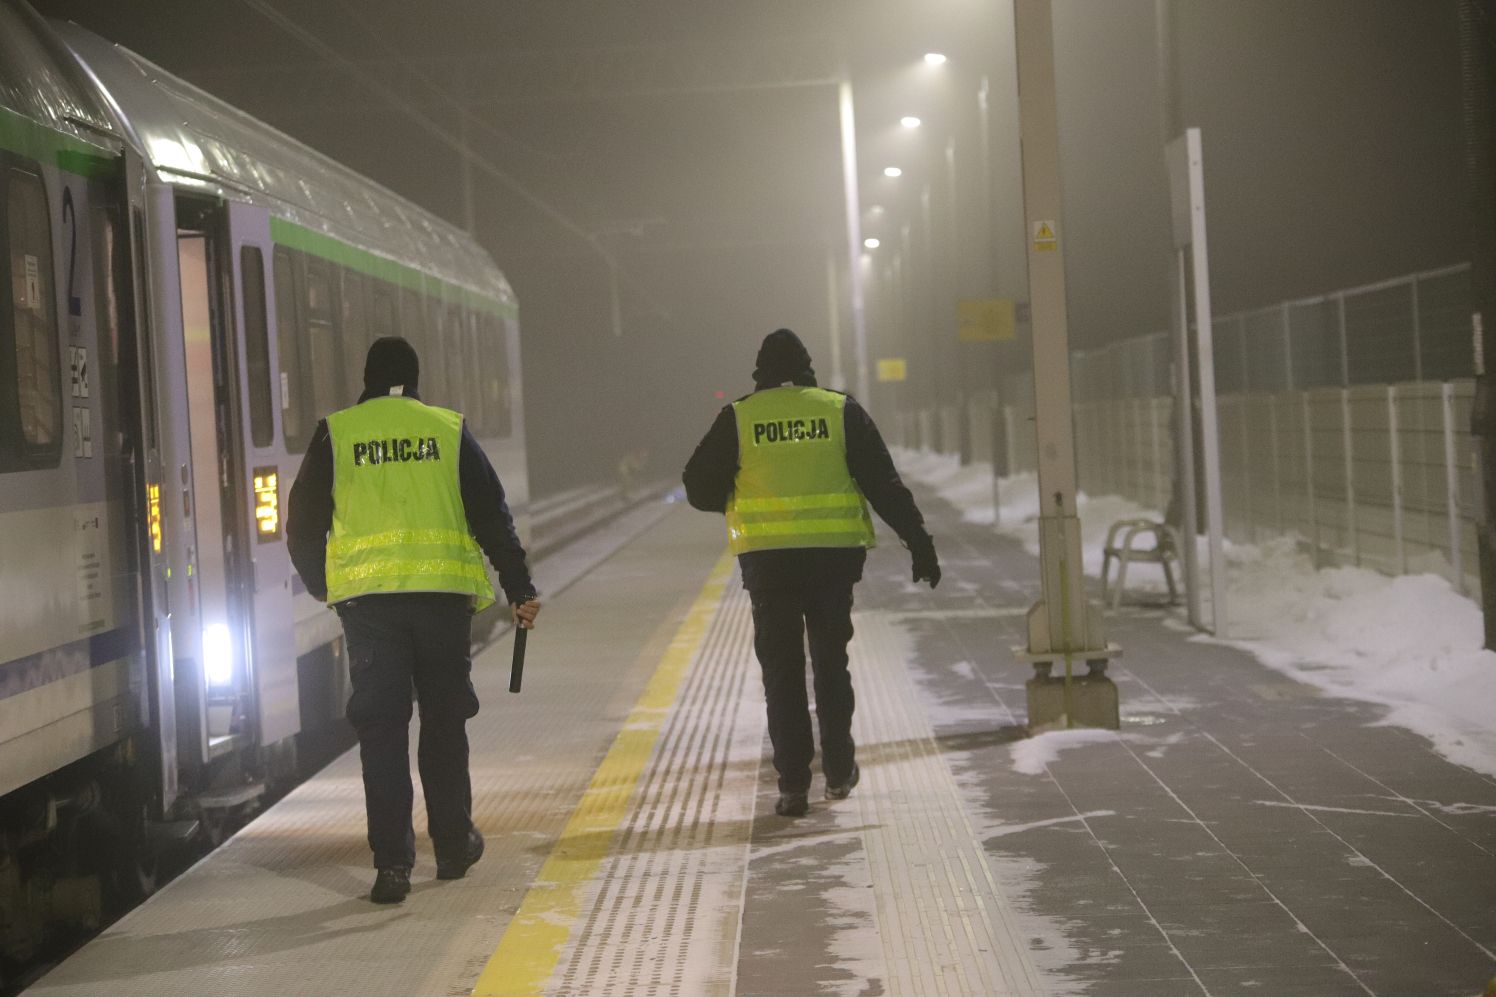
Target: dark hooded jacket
712,470
392,364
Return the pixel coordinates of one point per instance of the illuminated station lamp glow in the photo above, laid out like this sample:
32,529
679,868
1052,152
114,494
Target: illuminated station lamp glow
934,59
892,171
871,243
910,121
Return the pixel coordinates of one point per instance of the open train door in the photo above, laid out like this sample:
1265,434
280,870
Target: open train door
239,691
264,476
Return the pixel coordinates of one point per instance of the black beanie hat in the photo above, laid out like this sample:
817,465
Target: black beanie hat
392,361
783,358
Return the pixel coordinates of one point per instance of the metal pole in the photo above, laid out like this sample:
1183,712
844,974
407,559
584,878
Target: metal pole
1395,455
833,297
1309,477
1205,355
854,231
1350,474
1478,120
1452,485
1185,453
1062,623
929,346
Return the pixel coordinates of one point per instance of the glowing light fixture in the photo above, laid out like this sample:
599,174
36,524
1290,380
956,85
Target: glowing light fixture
218,657
876,209
892,171
871,243
934,59
910,121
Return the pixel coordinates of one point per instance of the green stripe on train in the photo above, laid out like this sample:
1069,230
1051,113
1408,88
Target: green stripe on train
294,236
34,140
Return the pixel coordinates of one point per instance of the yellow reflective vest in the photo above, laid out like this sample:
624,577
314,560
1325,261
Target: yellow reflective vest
398,523
793,488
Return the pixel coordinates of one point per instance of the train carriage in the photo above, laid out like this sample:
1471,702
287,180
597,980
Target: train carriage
189,292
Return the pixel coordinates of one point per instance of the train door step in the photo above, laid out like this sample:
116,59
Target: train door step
168,835
230,797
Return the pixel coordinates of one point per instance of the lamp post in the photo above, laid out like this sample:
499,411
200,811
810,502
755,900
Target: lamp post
854,232
1063,625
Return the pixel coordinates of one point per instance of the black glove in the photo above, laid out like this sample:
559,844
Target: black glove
926,564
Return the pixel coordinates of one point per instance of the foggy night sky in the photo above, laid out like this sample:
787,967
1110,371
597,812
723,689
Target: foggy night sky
1331,140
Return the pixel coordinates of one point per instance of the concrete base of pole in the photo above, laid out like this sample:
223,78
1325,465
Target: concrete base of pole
1093,702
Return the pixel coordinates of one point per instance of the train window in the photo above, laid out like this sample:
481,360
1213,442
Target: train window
433,357
257,345
293,407
381,312
472,359
495,340
322,339
38,373
107,283
355,335
455,354
143,344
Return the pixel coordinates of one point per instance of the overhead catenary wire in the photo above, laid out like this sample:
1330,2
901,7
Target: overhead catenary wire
458,144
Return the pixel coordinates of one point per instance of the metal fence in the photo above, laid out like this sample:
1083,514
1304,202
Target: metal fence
1343,419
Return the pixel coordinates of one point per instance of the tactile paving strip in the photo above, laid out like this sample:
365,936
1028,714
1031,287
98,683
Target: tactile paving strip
663,913
945,924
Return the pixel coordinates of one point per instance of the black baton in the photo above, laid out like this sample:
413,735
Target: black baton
517,666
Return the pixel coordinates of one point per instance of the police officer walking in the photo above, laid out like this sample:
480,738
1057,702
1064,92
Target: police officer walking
794,467
388,521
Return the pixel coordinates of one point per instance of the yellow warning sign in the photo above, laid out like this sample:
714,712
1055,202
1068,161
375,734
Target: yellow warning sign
1045,240
985,320
892,369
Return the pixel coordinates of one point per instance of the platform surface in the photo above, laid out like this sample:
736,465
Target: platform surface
1243,834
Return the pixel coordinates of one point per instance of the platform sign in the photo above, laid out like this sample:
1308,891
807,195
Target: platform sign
892,369
986,320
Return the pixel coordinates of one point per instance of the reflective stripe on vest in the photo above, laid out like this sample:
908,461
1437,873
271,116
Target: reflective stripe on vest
793,488
398,523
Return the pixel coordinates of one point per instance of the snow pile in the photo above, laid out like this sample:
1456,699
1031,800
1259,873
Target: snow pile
1032,755
1410,643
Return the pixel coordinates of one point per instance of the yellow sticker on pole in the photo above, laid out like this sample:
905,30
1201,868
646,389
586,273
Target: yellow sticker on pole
1045,240
892,369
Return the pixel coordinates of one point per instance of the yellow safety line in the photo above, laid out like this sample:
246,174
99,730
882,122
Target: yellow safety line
532,944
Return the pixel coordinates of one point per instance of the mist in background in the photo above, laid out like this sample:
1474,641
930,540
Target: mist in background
697,145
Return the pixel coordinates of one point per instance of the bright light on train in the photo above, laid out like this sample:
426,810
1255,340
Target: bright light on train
934,59
218,658
871,243
909,121
892,171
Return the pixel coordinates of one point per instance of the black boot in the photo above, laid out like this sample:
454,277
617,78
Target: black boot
391,885
456,866
792,805
841,790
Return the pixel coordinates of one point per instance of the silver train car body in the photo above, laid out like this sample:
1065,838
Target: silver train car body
189,291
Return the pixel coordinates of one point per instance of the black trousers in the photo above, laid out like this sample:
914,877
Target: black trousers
784,617
397,641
